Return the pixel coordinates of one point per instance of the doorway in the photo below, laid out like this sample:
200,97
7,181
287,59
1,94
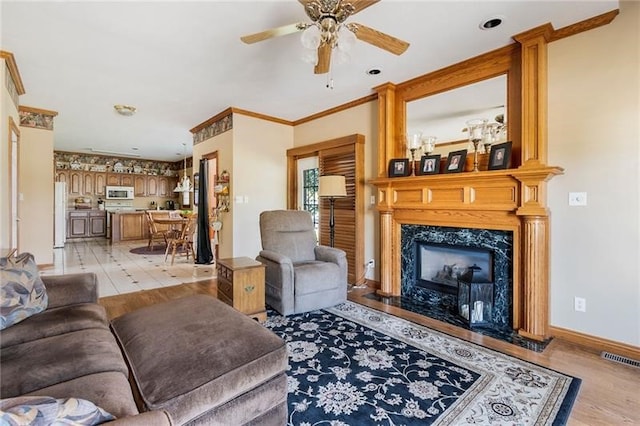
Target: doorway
14,183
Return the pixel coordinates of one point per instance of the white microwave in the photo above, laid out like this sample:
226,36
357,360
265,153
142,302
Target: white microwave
119,192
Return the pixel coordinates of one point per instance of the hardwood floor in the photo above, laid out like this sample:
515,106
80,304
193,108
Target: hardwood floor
609,394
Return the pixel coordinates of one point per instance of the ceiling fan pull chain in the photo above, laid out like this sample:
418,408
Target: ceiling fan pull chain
330,80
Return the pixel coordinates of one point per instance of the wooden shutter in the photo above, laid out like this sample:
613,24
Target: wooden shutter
343,156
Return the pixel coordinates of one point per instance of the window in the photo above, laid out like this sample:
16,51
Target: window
310,194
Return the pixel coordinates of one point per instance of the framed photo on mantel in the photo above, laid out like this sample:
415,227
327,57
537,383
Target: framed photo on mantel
399,167
455,161
429,165
500,157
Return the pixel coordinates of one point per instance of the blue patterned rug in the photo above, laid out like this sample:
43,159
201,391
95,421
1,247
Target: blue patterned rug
352,365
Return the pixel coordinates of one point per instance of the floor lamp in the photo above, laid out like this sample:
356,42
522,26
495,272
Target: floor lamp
332,187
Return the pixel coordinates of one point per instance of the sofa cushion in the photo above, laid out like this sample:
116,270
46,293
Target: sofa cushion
110,390
22,292
45,362
56,321
44,410
210,353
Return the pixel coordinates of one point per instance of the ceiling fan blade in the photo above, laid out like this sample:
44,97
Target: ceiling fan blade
324,59
274,32
378,39
360,5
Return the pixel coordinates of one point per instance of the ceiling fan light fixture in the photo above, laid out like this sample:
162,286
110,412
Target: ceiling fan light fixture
346,38
310,57
311,37
126,110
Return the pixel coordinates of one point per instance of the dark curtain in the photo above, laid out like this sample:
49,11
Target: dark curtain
204,255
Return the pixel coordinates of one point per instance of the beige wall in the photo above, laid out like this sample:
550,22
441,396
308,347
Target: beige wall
254,153
7,109
259,177
362,119
594,117
223,144
36,192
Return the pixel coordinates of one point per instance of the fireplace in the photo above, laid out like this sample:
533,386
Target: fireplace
434,257
440,266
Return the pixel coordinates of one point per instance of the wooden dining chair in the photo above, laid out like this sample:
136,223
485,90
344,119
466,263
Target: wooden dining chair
154,233
183,242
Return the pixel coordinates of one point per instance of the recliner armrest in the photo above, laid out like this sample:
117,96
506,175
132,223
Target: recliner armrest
70,289
276,257
330,254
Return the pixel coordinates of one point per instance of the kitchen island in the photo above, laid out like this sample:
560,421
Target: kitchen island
129,225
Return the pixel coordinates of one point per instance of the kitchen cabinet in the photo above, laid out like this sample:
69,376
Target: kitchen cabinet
139,186
113,180
119,179
74,183
86,223
127,226
62,176
163,187
100,184
87,183
152,186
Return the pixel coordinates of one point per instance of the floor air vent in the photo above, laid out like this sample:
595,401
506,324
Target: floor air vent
621,359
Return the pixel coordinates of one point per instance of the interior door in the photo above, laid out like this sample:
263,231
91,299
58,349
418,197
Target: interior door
14,176
212,180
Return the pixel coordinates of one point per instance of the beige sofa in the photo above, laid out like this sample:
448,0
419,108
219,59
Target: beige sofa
70,350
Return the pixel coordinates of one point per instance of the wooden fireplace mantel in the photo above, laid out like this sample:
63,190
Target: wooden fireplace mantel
512,199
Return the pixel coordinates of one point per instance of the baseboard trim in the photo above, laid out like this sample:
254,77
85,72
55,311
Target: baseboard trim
597,343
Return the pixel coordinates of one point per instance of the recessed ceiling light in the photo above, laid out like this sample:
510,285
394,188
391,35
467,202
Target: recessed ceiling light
374,71
126,110
492,22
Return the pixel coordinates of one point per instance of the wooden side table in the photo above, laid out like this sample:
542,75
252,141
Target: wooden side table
241,285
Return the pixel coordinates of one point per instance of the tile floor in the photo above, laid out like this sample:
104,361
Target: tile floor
120,271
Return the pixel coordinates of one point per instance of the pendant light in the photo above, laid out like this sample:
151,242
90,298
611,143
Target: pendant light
184,185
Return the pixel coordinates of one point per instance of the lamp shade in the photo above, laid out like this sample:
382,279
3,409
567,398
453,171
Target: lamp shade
332,186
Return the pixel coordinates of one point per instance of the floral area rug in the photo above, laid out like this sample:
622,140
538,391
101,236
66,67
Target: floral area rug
352,365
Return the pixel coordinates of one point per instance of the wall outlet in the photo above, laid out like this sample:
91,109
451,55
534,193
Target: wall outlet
580,304
371,263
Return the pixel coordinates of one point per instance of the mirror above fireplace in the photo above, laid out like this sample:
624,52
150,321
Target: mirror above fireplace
444,114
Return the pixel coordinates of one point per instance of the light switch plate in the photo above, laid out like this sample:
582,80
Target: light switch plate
577,198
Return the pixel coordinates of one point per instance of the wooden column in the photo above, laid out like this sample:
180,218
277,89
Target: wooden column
534,94
386,126
535,255
386,256
534,217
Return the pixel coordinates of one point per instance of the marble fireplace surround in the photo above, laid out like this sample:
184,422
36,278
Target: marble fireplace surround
498,243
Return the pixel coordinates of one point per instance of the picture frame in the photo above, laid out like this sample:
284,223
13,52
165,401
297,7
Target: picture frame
500,156
429,165
399,167
456,161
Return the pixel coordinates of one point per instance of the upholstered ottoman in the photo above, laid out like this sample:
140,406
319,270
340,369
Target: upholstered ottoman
205,363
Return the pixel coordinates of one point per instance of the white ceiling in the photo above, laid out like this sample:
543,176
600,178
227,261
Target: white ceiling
180,62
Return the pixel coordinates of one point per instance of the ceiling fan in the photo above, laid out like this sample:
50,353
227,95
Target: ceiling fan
327,29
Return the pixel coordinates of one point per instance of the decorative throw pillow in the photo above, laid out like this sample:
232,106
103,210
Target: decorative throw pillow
45,410
22,292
